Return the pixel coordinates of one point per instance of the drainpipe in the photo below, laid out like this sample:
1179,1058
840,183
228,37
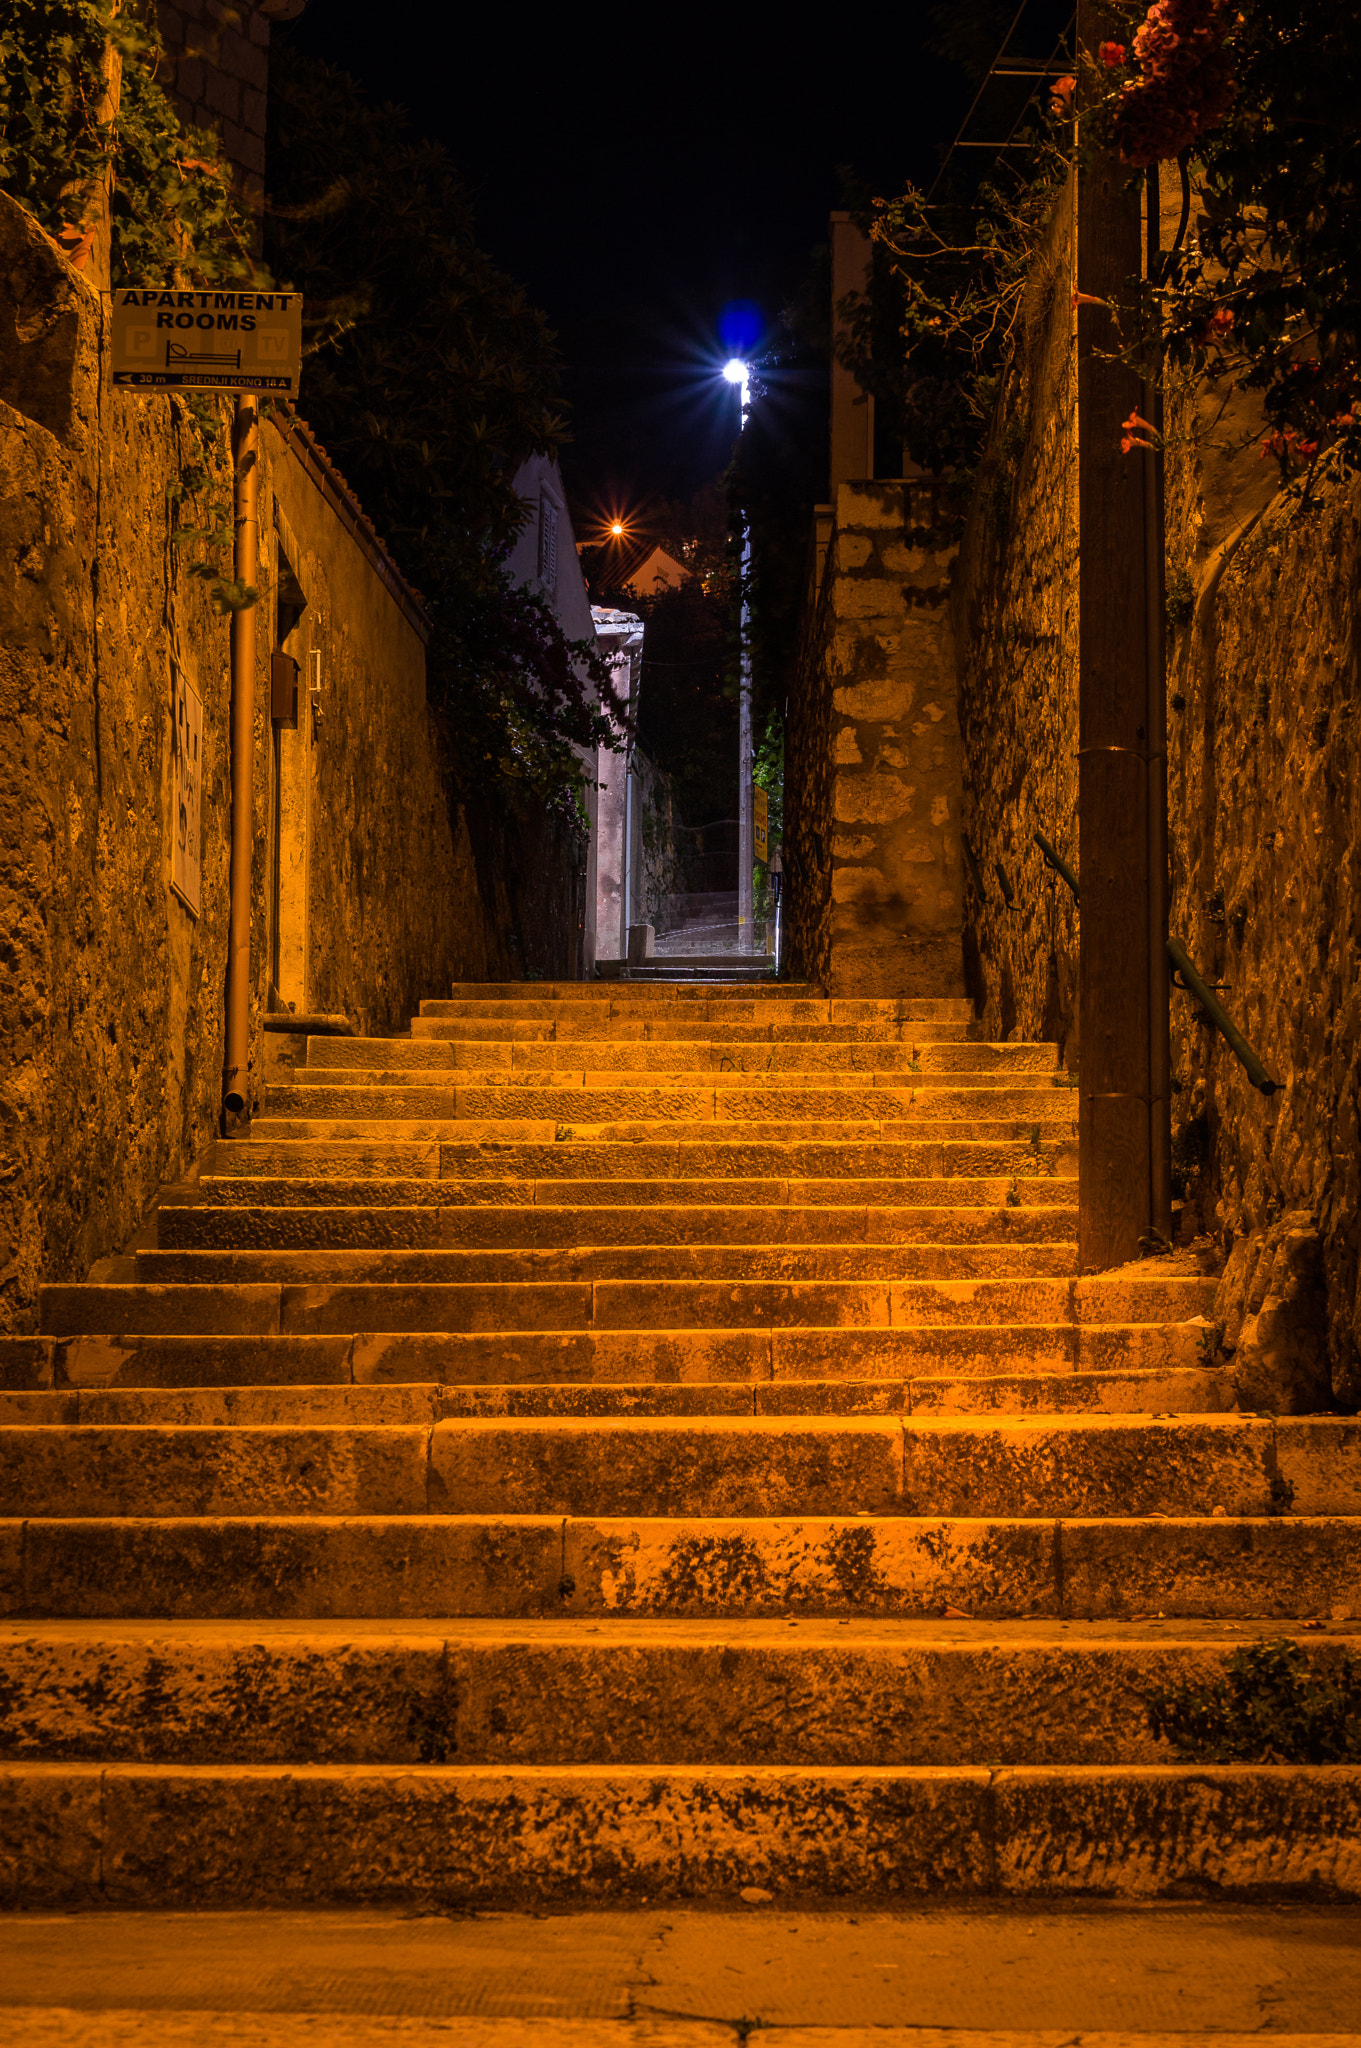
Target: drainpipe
246,455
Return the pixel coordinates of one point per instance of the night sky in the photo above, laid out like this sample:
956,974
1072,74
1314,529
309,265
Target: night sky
639,168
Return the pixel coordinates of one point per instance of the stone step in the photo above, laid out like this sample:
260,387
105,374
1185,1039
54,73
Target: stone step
957,1198
698,1466
789,996
501,992
863,1098
423,1088
677,1028
244,1307
660,1152
202,1836
885,1692
1017,1145
342,1057
304,1567
169,1353
366,1257
342,1401
250,1222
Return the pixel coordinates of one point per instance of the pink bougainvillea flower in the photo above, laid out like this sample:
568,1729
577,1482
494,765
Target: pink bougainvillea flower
1186,85
1111,54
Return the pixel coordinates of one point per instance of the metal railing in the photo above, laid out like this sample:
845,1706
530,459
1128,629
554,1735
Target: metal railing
1191,980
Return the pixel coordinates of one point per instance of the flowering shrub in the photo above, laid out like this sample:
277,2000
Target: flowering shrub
1185,84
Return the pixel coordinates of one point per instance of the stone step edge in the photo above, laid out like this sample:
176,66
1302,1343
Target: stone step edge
267,1834
92,1358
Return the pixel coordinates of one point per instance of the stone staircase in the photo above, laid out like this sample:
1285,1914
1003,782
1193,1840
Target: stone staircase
647,1441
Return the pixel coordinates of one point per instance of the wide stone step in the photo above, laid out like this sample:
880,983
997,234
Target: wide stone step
439,1093
214,1225
259,1307
667,1693
582,1099
1017,1144
706,1466
367,1258
457,1836
595,991
304,1567
497,1154
170,1353
791,999
678,1028
715,1055
174,1394
956,1199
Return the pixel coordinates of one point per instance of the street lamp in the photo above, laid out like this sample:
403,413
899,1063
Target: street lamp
738,373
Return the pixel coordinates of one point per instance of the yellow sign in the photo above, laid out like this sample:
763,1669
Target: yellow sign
760,815
167,339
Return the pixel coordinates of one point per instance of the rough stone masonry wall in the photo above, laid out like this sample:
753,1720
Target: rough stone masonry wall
112,992
877,911
1264,767
1015,611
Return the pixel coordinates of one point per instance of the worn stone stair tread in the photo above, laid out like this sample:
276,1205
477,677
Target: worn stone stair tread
1192,1391
303,1566
244,1224
1069,1465
745,1264
1075,1465
250,1190
266,1833
932,1054
244,1307
812,1692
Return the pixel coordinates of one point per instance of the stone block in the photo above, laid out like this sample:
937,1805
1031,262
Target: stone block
1279,1568
139,1469
299,1568
51,1835
1164,1832
772,1566
665,1466
481,1835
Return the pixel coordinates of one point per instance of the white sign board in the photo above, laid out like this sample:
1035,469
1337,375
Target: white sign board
168,339
186,757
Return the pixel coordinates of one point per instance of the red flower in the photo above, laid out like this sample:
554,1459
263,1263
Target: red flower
1222,321
1086,299
1111,54
1134,423
1186,86
1061,98
1306,447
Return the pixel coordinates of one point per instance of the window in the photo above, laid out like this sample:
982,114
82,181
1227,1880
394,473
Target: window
548,542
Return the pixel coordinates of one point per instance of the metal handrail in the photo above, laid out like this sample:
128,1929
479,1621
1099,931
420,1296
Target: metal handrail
1192,981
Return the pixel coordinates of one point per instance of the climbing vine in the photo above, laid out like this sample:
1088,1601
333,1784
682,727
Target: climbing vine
63,129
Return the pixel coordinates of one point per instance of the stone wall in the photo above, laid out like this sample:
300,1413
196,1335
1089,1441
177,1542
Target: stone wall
874,832
1014,604
216,72
1264,769
111,1006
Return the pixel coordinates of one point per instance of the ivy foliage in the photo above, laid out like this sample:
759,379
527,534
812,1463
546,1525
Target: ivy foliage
173,213
430,379
1272,1705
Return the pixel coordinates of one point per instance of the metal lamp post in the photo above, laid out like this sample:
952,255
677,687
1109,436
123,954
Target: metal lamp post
738,373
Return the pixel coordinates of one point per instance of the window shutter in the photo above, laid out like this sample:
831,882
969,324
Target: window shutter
548,543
